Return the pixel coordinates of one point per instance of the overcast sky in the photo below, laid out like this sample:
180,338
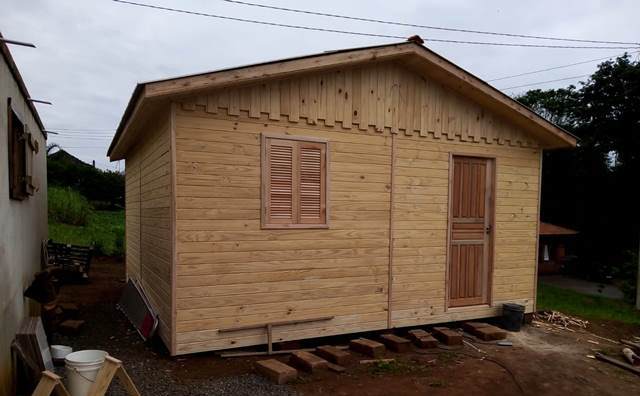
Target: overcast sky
91,53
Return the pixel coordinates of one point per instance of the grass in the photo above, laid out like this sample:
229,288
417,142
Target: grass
68,206
585,306
104,230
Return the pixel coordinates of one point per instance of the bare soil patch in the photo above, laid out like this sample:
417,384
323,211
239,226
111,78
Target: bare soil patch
540,362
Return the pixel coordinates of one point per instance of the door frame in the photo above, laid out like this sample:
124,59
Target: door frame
492,222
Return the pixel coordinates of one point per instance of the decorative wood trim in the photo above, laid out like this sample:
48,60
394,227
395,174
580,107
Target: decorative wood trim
447,275
173,225
326,105
535,279
391,234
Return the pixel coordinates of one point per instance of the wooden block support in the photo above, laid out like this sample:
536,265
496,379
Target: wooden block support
334,355
307,361
336,368
367,347
276,371
447,336
396,343
490,333
423,339
471,327
484,331
71,327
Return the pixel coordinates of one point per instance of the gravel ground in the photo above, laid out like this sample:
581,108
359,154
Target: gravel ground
149,364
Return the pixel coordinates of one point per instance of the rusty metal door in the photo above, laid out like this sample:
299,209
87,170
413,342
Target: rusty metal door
471,226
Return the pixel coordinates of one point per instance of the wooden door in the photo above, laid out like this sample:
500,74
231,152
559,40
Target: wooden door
471,225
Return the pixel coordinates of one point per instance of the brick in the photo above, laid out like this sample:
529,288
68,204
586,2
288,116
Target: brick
484,331
335,368
490,333
334,355
307,361
276,371
367,347
395,343
423,339
71,327
472,327
447,336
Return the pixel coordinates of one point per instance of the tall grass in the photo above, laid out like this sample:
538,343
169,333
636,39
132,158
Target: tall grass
73,220
104,231
68,206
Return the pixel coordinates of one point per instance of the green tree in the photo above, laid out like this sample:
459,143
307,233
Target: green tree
594,188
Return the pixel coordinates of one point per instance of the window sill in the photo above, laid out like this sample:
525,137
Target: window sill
293,226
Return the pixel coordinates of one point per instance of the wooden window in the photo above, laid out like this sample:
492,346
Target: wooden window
294,182
18,145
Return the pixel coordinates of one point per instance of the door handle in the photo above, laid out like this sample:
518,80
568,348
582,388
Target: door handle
488,229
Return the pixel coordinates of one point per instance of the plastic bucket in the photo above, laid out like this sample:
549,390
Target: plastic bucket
512,316
82,369
59,352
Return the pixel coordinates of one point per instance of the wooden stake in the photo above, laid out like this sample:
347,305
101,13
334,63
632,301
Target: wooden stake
618,363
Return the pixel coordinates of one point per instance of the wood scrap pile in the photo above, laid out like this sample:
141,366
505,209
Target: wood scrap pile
559,320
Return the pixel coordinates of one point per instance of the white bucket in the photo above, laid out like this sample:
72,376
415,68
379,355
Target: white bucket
82,369
59,352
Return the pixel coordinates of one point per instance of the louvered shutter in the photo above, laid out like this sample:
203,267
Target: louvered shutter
280,178
312,183
294,180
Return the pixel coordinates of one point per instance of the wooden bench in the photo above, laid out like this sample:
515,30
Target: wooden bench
71,258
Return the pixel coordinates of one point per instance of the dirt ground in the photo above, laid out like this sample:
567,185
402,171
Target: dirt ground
540,362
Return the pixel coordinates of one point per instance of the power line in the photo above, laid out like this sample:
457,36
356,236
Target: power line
104,139
558,67
545,82
327,30
458,30
84,129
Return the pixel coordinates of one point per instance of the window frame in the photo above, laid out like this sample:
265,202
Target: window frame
21,191
264,174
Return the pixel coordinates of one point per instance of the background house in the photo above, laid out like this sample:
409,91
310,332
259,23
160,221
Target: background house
356,190
23,205
555,248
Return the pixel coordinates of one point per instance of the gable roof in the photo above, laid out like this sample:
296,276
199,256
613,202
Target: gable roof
6,55
552,229
413,55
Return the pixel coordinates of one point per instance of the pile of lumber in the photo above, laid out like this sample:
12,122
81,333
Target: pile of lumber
559,319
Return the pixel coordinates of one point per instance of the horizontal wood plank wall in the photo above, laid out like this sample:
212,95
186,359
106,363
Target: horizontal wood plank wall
148,194
420,261
232,273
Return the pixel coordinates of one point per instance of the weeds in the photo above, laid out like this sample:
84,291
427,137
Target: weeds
68,206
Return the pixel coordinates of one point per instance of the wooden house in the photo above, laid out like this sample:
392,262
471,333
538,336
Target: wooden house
348,191
23,206
553,243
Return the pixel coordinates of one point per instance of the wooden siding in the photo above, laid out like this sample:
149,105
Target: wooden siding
384,226
148,219
383,97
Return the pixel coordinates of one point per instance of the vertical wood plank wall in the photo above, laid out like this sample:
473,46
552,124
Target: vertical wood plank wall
231,273
148,196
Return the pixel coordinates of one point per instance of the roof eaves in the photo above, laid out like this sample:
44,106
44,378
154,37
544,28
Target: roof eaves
6,54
